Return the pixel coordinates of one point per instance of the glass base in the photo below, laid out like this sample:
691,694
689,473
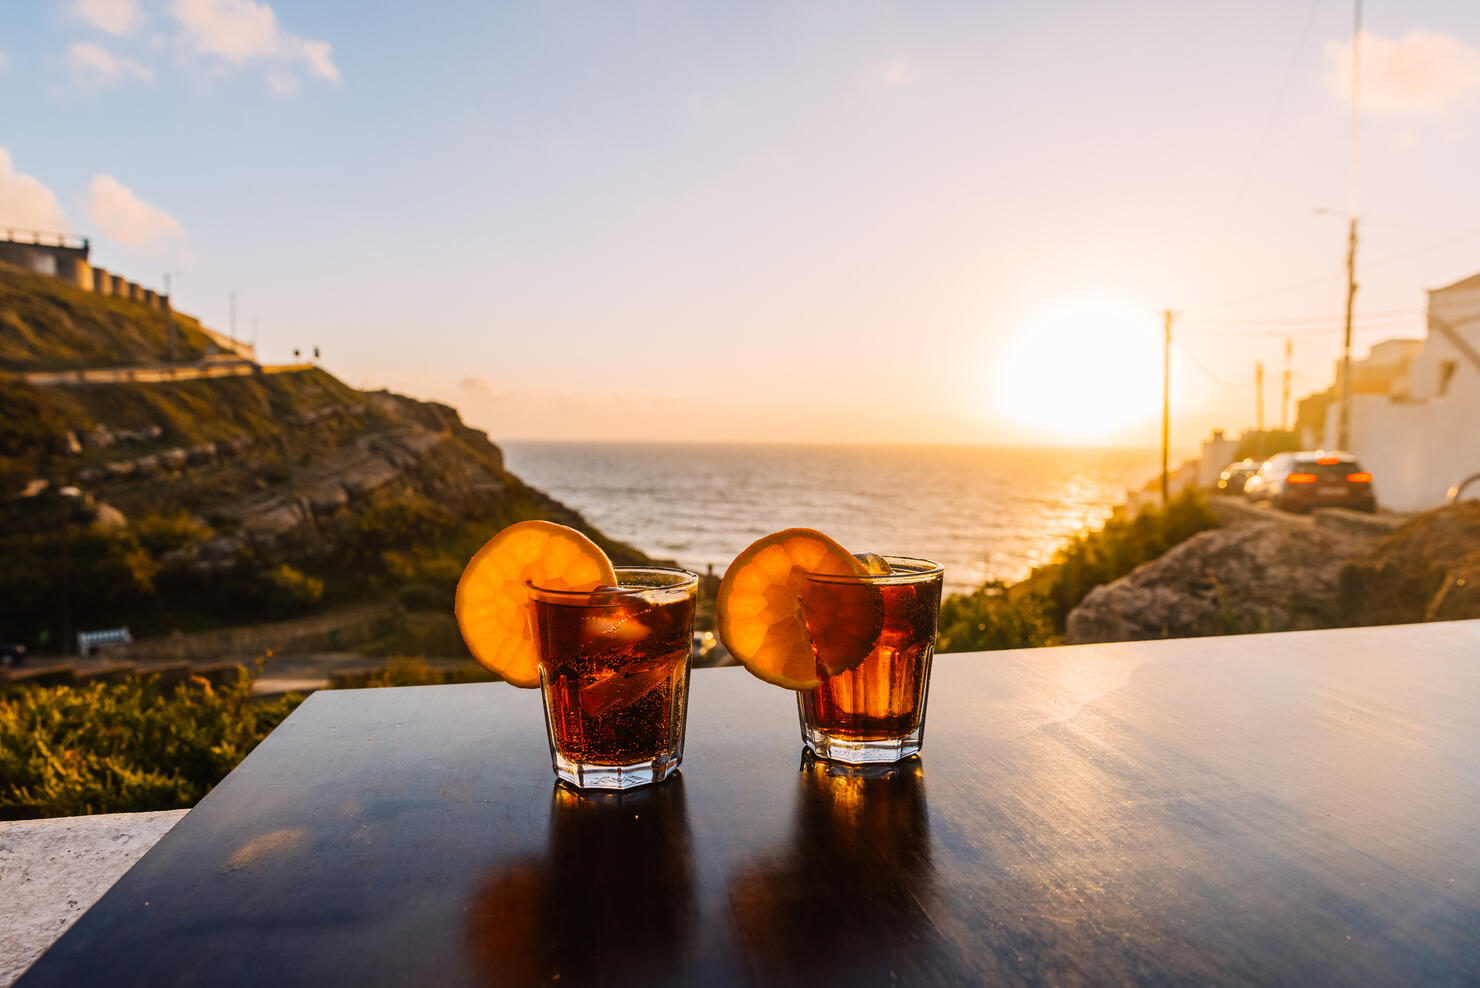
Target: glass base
855,752
584,775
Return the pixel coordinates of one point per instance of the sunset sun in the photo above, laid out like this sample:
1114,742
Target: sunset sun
1081,373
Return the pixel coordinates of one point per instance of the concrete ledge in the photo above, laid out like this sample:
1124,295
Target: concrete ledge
52,871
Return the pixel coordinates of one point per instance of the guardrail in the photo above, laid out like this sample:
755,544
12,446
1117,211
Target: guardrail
45,238
1454,492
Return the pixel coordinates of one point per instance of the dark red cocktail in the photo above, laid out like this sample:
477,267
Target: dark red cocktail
875,711
614,671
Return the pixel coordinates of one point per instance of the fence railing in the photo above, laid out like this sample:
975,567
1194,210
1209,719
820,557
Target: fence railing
43,238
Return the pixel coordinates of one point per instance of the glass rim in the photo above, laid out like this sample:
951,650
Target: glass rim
920,570
690,579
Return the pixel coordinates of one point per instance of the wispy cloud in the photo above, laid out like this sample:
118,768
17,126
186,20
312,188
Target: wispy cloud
1424,73
27,204
122,216
94,67
478,384
112,16
239,32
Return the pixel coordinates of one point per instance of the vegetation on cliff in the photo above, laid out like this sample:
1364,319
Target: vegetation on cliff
1035,613
48,324
224,501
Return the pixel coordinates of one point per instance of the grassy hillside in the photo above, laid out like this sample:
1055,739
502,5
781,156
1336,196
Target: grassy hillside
47,324
230,501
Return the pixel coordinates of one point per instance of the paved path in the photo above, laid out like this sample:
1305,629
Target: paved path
52,871
160,373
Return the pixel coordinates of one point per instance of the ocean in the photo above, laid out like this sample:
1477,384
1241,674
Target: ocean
983,512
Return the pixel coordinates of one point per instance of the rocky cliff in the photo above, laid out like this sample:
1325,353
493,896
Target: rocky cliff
203,503
1286,575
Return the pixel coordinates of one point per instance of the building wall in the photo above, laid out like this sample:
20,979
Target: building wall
29,256
56,260
1217,453
102,281
1461,310
1418,445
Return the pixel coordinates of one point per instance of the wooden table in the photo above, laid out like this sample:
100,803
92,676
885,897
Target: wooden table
1295,809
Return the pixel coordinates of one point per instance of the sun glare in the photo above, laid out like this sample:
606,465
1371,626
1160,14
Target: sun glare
1083,373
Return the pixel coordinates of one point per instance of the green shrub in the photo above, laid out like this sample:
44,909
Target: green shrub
993,617
31,435
160,534
124,747
1094,558
284,590
986,619
404,671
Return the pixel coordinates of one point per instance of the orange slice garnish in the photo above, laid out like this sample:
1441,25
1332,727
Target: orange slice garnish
493,609
787,629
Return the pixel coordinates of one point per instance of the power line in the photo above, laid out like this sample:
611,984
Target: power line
1321,279
1387,326
1213,374
1296,320
1279,102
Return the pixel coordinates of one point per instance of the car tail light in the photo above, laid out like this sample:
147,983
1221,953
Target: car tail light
1301,478
1359,478
1326,461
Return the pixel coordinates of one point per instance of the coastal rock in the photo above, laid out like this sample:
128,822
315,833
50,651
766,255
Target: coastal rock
326,497
366,474
200,455
108,518
220,552
1459,596
275,518
1264,576
1398,584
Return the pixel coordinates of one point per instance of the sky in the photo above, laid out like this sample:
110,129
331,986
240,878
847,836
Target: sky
819,221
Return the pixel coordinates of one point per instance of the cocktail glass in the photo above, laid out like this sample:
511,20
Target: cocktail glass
614,673
875,711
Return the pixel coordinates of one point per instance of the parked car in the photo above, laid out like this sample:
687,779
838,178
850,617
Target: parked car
12,653
1312,479
1234,476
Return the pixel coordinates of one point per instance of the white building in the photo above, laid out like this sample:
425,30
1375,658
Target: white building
1425,435
1217,453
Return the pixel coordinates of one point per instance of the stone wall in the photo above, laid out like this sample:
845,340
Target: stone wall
320,633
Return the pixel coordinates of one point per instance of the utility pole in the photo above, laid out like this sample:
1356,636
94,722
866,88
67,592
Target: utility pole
233,316
1285,387
1259,395
1343,427
1166,402
1344,421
